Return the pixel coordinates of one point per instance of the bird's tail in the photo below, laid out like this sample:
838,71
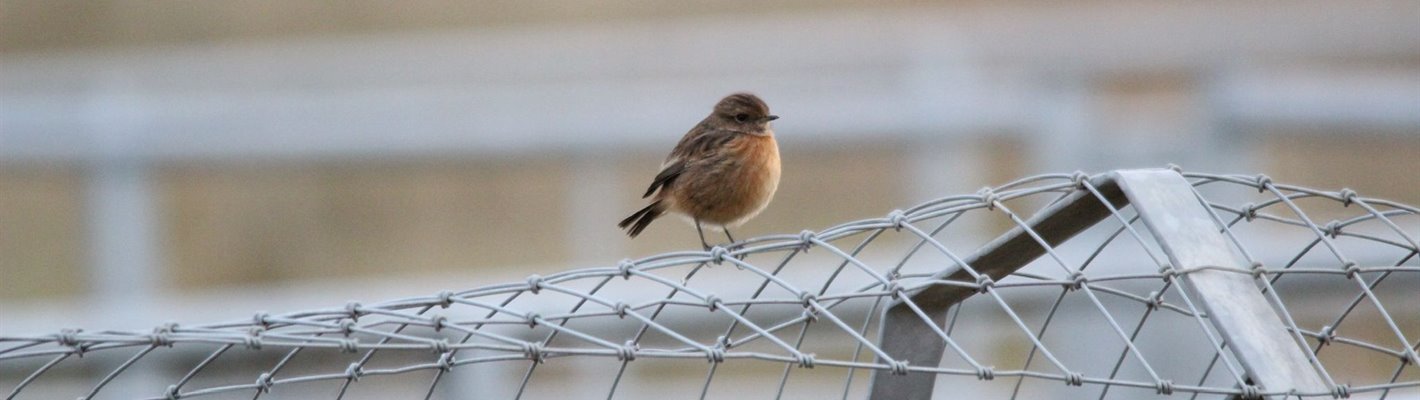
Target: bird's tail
640,219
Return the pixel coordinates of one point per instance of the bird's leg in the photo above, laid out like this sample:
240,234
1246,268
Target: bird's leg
702,235
732,242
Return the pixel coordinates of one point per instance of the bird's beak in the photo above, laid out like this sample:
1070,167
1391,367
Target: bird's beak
771,118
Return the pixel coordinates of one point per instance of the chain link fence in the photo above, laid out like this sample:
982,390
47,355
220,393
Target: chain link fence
1086,290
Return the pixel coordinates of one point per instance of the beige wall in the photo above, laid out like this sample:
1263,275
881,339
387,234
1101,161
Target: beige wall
231,224
1381,162
41,232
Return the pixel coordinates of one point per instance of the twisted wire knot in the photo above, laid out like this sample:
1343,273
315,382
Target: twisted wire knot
534,283
347,326
354,372
446,361
717,254
1163,387
68,337
1074,379
807,238
263,382
712,301
1167,272
624,268
353,309
253,338
988,197
350,345
1156,300
532,319
897,218
1258,270
724,341
805,360
446,298
534,351
984,283
807,298
1251,392
715,354
1080,179
1332,228
440,346
1348,196
171,393
810,315
1263,182
438,322
621,309
1249,211
160,339
1077,281
1175,167
986,373
893,289
898,367
262,319
1326,335
1341,391
1351,269
627,352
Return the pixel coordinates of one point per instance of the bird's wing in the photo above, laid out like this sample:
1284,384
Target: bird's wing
701,143
668,173
698,144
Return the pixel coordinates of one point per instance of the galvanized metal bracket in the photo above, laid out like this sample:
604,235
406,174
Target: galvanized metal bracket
1184,230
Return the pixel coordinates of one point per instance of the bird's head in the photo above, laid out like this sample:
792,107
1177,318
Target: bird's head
743,112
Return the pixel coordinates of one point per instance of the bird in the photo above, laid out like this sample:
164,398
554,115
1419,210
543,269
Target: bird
722,173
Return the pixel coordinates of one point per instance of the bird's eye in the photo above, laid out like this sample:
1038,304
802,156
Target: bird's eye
742,117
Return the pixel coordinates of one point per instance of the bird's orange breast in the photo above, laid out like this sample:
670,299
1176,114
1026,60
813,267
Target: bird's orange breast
734,188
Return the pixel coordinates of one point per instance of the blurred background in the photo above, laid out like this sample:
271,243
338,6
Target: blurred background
200,161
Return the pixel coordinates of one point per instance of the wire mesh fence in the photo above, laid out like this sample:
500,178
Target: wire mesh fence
1092,309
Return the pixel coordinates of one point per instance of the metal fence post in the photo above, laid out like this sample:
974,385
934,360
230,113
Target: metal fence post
1236,307
1180,224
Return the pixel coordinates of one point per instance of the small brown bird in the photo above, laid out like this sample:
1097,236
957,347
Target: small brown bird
722,173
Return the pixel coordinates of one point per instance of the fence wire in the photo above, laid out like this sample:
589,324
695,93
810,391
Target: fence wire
808,303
